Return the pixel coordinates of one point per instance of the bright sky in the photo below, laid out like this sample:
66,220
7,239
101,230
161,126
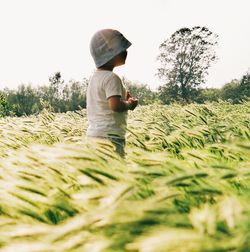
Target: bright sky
40,37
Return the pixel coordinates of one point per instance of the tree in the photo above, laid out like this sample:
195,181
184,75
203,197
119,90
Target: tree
230,91
209,95
169,94
185,58
56,85
245,85
237,90
77,94
22,101
4,106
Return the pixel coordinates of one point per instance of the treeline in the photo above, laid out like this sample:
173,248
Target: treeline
59,96
234,92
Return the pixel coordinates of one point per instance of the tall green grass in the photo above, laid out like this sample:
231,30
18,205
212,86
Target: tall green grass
184,185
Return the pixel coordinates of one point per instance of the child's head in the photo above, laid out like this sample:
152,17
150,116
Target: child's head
109,46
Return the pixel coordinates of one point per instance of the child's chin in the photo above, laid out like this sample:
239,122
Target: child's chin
120,64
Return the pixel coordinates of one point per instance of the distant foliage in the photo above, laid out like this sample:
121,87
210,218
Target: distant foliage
57,96
3,105
230,91
245,85
142,92
208,95
237,91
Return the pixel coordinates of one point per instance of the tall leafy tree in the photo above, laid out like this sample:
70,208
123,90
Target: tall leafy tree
185,58
55,95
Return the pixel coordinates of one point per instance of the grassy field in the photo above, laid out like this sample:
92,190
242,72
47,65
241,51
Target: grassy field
184,186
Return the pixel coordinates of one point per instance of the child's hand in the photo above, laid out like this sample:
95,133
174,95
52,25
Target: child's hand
133,102
128,95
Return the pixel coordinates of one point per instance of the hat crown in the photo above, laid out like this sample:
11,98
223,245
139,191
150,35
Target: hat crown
106,44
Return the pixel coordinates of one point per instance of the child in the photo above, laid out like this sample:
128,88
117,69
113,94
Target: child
107,99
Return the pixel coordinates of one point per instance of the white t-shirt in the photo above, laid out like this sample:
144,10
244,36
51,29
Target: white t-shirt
104,122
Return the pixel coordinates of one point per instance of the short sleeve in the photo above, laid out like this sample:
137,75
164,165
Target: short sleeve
113,86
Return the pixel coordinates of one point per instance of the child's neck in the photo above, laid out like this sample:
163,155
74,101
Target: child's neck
107,68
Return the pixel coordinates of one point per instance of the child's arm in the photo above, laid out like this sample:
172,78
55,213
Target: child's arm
118,105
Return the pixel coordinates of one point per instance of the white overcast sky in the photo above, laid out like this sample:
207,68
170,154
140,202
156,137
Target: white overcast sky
40,37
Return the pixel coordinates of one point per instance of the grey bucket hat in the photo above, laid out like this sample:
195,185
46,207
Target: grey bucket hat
106,44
